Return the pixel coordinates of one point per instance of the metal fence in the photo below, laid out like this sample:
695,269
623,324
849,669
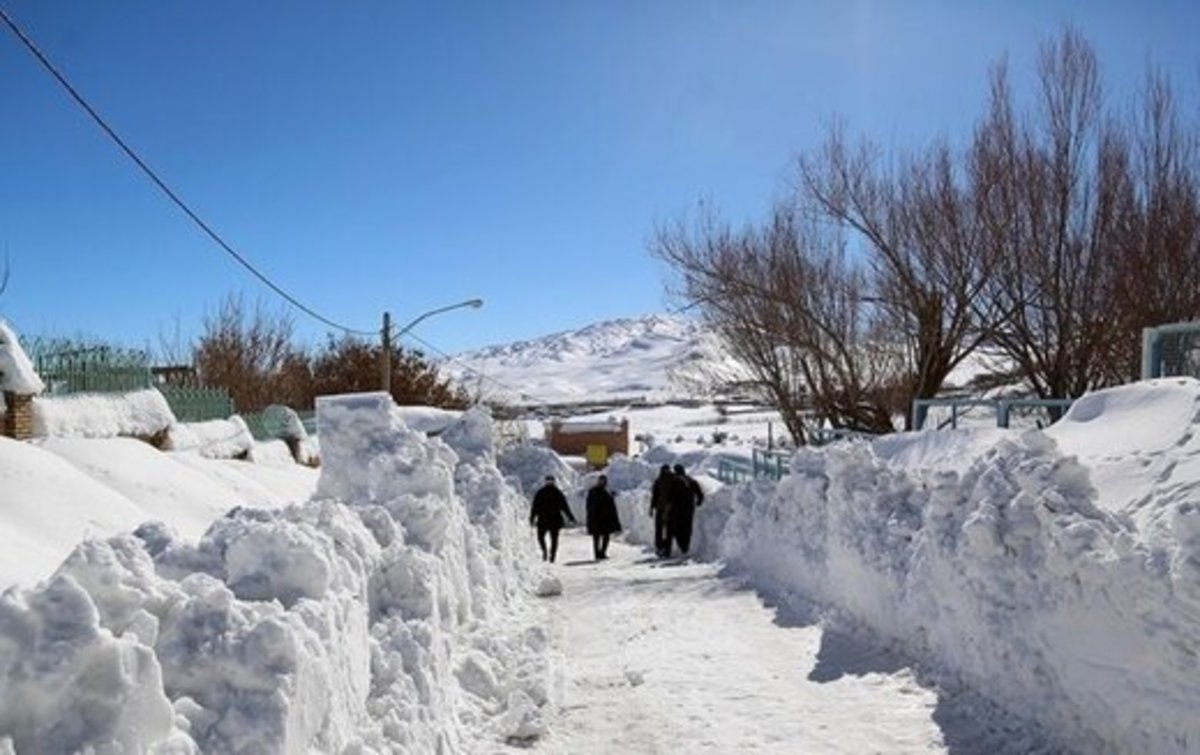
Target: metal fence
1171,350
1003,409
191,404
67,368
762,465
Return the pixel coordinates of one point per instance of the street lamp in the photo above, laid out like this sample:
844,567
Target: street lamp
385,356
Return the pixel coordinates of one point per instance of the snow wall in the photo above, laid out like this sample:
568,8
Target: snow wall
389,614
985,557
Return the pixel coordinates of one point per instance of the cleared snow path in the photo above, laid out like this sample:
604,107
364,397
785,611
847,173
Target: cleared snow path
669,657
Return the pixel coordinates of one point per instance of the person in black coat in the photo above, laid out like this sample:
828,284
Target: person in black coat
602,518
660,509
685,495
549,506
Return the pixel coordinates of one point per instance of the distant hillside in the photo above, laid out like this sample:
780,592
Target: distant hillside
656,357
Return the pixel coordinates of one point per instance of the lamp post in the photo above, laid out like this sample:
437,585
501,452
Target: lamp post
385,356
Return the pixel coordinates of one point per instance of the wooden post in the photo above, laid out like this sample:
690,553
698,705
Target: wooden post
385,355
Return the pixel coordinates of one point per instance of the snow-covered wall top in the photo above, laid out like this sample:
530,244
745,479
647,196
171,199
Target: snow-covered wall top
102,415
16,371
587,426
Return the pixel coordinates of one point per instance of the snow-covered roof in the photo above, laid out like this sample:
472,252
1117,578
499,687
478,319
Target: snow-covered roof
16,371
589,426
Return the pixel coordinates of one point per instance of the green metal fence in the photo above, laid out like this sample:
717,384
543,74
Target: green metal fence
1003,408
190,404
732,470
66,367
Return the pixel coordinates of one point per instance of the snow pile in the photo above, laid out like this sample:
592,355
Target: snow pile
529,464
428,419
102,415
400,622
214,439
272,453
988,556
16,371
55,492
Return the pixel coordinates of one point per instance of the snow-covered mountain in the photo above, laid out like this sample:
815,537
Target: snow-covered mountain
655,357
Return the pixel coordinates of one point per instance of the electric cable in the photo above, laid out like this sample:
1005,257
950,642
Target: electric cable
149,172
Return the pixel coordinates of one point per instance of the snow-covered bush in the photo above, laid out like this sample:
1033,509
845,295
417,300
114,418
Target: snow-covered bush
214,439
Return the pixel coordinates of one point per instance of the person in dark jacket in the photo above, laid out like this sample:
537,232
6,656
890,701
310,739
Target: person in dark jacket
602,518
549,506
660,509
685,495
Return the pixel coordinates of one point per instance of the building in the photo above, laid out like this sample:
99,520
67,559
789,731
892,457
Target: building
595,439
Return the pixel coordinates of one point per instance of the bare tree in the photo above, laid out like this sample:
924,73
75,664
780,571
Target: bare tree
787,300
1156,275
922,237
351,365
1054,202
252,355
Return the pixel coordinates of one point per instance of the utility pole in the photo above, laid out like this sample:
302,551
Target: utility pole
385,355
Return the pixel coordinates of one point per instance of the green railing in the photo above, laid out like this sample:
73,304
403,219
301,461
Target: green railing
87,378
732,470
1002,407
769,464
67,367
197,404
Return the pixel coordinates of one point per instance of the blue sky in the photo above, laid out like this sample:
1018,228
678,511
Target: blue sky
403,156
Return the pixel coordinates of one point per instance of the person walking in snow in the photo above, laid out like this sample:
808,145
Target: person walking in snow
549,506
685,495
602,518
660,509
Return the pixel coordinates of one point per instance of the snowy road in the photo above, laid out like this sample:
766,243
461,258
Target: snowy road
663,657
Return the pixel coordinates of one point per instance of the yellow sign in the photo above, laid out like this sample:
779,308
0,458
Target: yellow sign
597,455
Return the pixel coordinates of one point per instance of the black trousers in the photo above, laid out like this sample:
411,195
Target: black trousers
600,546
553,531
662,532
681,527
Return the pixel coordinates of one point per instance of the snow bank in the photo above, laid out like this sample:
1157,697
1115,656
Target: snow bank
55,492
529,464
214,439
396,619
1000,570
428,419
102,415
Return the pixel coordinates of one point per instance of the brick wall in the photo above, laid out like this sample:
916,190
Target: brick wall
18,416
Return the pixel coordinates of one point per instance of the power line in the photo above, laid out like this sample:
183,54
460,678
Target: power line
129,152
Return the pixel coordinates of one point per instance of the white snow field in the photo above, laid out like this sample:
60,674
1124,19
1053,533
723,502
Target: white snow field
668,657
655,357
971,591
